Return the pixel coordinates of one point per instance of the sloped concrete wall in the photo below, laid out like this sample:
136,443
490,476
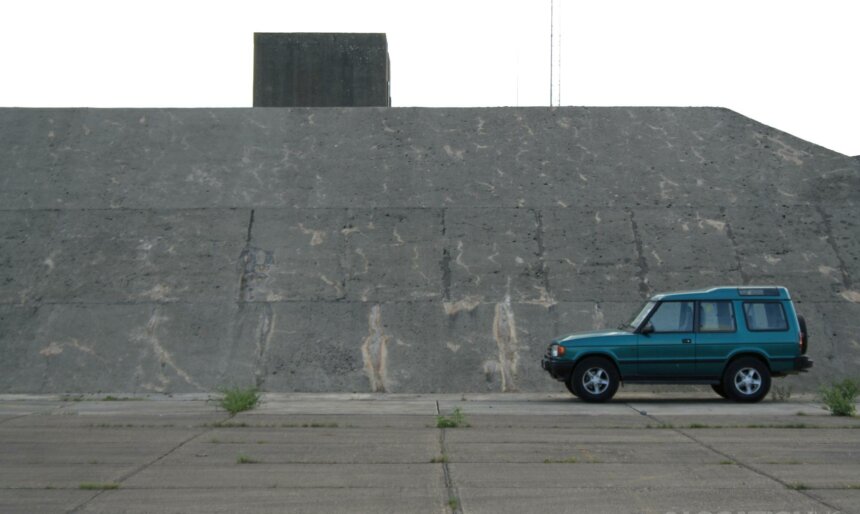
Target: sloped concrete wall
399,250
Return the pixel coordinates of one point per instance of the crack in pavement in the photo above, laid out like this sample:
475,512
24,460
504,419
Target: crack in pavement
450,488
142,467
14,417
736,460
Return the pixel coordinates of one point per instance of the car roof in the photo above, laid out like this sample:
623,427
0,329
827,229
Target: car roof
728,293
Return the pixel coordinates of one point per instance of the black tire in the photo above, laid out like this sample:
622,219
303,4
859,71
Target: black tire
595,379
567,384
718,388
746,380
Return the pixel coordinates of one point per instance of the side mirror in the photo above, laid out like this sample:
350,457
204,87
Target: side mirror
647,329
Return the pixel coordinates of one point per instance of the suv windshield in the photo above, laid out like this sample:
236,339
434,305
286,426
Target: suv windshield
637,320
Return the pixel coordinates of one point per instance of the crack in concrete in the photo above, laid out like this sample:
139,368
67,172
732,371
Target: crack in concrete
148,335
546,299
598,320
785,151
828,231
745,279
265,330
254,264
142,467
744,465
445,264
467,304
505,335
452,500
55,348
374,351
641,261
317,236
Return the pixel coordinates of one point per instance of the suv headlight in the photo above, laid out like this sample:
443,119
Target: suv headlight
556,350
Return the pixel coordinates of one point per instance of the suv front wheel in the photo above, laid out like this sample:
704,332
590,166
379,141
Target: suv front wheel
594,379
746,380
718,388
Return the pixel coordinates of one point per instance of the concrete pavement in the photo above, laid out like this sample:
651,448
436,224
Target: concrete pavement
383,453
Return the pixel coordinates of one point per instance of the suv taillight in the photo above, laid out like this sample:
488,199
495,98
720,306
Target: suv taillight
803,337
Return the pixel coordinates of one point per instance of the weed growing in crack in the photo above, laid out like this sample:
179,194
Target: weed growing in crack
455,420
569,460
237,399
453,503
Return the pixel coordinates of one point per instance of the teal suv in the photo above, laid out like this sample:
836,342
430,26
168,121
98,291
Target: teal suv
733,338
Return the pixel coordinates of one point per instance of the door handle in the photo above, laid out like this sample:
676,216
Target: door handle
686,341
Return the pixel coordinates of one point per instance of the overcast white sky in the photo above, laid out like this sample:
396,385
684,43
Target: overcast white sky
790,64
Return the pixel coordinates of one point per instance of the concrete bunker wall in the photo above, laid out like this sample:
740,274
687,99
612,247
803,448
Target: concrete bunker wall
398,250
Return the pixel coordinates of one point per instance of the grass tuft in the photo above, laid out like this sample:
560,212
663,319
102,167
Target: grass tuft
453,503
569,460
237,399
244,459
442,459
840,397
455,420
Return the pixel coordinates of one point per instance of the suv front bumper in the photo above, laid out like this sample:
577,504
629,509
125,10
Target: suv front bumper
557,369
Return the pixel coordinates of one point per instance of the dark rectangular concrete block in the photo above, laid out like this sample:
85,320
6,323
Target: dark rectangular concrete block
321,70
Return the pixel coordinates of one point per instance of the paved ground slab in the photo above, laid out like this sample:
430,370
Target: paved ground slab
384,453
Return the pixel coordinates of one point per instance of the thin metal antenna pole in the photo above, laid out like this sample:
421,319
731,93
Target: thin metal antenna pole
551,11
559,53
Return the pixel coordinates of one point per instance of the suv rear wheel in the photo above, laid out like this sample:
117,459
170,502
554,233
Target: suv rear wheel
718,388
594,380
746,380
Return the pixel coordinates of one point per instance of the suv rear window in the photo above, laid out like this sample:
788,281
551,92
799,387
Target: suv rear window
765,316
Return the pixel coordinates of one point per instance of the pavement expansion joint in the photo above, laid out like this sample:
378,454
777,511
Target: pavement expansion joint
452,498
745,465
142,467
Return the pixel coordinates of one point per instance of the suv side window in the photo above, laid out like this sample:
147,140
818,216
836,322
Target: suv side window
765,316
673,317
716,317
